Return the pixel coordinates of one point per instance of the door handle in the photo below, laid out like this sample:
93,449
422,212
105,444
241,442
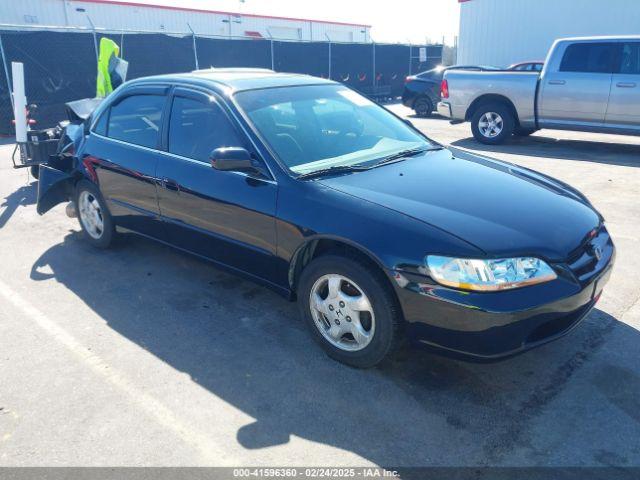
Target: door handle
626,84
170,184
557,82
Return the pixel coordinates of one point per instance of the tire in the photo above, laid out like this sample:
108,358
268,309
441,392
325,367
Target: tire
35,171
503,125
523,132
95,219
423,107
381,322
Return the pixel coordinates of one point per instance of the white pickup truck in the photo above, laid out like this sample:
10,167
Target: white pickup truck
587,84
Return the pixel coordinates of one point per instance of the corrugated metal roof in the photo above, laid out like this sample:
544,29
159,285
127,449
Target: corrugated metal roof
186,9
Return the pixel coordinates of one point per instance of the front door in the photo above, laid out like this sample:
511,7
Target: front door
228,217
624,101
578,92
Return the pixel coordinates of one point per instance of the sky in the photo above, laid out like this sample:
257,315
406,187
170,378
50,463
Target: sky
391,20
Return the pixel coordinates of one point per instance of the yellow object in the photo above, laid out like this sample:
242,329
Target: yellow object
103,83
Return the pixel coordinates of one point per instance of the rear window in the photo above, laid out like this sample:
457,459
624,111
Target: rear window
137,119
588,58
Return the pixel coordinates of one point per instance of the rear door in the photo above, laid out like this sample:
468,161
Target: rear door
122,155
624,102
228,217
576,92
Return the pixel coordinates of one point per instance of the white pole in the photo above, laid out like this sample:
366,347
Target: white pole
19,102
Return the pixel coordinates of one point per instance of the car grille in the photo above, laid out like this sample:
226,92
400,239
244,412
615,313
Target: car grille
592,256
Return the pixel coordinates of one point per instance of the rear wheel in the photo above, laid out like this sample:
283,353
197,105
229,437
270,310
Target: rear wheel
95,219
423,107
492,123
349,309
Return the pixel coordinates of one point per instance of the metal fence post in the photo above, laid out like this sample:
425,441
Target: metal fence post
373,78
273,62
329,39
95,38
6,71
195,48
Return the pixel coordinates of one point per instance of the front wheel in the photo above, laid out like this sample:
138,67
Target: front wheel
492,123
95,219
349,309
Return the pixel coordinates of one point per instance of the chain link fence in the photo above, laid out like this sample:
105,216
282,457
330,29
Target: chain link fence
60,63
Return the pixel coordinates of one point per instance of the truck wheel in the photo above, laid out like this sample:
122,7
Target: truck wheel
349,310
423,107
492,123
93,214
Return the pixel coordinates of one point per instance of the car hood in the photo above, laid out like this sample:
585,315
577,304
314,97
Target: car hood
498,207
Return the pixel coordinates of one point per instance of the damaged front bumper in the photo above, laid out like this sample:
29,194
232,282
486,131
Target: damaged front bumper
55,186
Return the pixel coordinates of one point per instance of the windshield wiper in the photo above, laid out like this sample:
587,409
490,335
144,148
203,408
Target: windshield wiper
411,152
332,170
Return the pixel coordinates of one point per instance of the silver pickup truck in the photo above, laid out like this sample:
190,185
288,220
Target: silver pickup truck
587,84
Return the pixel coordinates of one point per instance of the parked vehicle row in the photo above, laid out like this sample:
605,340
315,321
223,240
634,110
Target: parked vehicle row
586,84
307,187
422,91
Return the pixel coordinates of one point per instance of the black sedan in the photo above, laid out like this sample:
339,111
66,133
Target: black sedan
305,186
422,91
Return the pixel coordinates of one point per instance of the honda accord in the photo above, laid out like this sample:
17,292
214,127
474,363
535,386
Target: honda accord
309,188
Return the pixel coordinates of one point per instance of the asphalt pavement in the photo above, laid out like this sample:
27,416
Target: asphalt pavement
145,356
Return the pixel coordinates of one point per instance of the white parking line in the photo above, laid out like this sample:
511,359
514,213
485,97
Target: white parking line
210,451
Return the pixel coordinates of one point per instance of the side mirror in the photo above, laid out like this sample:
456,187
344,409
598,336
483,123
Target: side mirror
232,159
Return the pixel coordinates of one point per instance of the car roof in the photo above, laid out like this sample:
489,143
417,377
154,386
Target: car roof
611,38
238,79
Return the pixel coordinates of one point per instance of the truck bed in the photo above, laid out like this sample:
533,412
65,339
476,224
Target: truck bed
467,87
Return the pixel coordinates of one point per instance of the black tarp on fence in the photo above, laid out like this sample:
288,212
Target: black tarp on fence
309,58
216,52
58,67
61,66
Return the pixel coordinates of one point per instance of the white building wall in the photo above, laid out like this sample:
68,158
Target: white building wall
502,32
78,13
32,12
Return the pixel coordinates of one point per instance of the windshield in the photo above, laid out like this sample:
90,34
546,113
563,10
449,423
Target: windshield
317,127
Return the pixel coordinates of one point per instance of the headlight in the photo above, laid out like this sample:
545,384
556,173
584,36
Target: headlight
489,275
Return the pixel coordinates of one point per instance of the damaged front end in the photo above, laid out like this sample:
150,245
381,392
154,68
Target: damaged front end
58,177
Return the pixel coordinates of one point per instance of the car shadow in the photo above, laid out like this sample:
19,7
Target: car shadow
433,116
248,346
622,154
22,197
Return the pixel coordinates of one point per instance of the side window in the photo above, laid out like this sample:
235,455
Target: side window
197,128
137,119
630,64
588,58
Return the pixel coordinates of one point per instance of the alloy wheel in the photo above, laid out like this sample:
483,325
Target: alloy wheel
490,124
342,312
91,214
